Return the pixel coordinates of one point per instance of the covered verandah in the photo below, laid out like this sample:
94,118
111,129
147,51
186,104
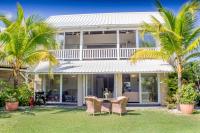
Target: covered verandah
73,80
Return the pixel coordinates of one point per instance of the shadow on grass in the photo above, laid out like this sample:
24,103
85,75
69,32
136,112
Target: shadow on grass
132,112
28,112
5,115
196,112
64,110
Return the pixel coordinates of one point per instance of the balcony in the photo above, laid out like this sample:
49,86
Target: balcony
96,54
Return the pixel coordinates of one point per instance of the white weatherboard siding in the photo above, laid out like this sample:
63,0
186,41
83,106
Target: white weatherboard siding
102,19
105,67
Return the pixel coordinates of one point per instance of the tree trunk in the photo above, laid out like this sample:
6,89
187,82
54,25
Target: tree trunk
179,71
16,75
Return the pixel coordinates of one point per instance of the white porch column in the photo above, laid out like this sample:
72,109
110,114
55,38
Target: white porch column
137,38
63,47
84,88
44,84
118,46
117,85
34,85
140,88
61,87
80,90
81,45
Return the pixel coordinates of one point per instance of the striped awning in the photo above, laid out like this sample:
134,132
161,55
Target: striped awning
105,66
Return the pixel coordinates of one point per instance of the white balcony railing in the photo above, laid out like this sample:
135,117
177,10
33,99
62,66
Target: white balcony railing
107,53
110,53
62,54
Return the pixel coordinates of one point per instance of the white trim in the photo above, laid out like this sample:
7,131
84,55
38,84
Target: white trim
61,87
158,80
98,29
140,89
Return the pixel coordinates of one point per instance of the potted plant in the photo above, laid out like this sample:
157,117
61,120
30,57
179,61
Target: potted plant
9,96
187,96
11,103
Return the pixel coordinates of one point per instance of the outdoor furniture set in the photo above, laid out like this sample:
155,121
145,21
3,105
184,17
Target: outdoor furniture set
99,105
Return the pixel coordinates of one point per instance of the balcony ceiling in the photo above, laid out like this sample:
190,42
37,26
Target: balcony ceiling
105,67
102,19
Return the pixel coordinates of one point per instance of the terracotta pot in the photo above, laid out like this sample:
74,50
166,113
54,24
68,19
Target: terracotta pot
11,106
187,108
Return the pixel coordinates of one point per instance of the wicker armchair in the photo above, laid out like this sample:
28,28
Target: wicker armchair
93,105
119,105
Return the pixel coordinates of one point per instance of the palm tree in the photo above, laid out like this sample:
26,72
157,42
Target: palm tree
25,42
179,36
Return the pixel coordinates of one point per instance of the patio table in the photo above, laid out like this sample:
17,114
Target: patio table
106,104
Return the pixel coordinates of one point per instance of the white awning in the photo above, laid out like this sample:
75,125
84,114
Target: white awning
105,66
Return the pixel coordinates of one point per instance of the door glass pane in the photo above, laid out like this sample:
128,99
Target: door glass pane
131,87
98,84
69,93
149,88
53,88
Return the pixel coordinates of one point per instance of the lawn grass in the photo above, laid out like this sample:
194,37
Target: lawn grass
60,120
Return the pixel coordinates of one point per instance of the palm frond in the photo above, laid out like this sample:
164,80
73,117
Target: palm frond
192,56
193,45
195,34
20,14
5,20
168,16
148,54
40,55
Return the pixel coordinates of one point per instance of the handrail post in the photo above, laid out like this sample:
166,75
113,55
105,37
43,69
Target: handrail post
118,46
81,46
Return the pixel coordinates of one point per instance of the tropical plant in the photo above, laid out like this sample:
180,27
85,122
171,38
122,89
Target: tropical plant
179,36
7,93
187,94
24,93
25,42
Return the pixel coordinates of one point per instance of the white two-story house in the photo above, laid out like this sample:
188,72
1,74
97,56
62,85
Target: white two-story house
94,56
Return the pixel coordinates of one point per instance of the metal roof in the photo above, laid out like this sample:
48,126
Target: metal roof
102,19
106,66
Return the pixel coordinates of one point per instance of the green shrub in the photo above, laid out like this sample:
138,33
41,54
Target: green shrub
24,94
187,94
7,93
172,83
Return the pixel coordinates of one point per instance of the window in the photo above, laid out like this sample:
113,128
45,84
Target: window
147,41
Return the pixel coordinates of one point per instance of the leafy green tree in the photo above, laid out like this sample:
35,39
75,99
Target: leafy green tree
178,34
25,42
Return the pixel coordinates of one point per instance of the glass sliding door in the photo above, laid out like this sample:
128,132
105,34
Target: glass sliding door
130,87
149,86
53,88
70,87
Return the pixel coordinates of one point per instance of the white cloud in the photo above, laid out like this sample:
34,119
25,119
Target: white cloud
7,14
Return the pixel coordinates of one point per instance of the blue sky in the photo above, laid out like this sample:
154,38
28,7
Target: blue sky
47,8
